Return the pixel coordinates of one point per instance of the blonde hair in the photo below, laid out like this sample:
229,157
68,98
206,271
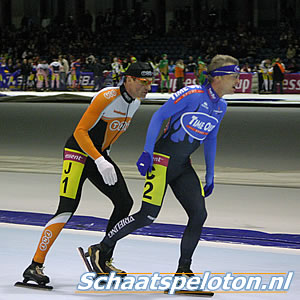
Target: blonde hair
219,61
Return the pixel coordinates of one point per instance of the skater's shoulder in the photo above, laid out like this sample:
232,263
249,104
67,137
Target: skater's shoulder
188,91
108,94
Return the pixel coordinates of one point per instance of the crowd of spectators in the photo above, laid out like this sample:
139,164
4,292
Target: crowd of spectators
135,34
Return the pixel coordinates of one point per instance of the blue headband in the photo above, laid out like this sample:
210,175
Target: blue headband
226,70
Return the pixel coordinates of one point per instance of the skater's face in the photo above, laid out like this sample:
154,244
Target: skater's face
225,84
229,83
138,87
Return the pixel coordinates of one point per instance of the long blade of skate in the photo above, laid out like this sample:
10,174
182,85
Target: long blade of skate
85,260
191,293
34,286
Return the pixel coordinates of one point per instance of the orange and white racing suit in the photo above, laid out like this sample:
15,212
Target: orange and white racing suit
106,118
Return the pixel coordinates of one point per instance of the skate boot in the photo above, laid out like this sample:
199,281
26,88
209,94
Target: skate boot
100,258
184,271
35,273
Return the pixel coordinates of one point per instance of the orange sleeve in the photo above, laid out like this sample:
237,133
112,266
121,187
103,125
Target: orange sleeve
88,120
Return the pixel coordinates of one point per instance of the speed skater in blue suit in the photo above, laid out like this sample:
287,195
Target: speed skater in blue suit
195,114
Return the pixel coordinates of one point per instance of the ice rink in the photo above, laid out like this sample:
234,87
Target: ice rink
135,255
257,189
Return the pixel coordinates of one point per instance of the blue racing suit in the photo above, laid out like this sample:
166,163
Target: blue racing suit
195,114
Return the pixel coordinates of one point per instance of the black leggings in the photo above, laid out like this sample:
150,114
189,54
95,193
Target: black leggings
188,190
117,193
77,168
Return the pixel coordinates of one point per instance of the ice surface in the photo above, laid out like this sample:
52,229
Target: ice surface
136,255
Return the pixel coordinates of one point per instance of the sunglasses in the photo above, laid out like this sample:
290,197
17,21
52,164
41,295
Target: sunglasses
143,81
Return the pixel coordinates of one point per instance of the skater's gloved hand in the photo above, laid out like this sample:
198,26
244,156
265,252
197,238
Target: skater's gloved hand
107,171
209,179
144,163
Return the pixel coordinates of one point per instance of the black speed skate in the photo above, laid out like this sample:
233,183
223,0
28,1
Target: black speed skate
184,271
35,273
188,273
101,260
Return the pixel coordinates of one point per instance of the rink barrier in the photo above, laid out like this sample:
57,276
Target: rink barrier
237,99
248,82
226,235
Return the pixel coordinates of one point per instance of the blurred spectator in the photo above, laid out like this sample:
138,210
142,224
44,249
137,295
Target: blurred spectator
125,65
191,66
42,75
10,65
278,75
116,70
3,74
200,69
265,69
246,68
87,65
164,73
257,70
293,67
133,59
64,71
155,66
56,69
32,76
171,66
25,72
97,70
15,71
108,81
75,74
179,74
90,59
290,52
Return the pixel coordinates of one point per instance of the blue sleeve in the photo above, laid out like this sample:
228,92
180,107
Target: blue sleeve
210,149
169,109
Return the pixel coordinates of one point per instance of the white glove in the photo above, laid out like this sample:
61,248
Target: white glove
107,170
